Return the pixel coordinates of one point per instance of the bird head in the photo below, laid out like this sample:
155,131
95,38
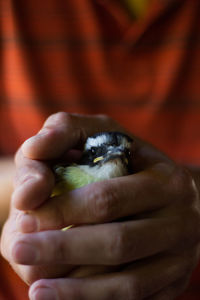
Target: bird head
108,152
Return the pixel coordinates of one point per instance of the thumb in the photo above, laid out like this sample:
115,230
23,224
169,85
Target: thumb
63,131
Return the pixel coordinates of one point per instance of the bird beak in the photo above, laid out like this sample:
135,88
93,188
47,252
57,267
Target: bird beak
98,159
112,154
116,153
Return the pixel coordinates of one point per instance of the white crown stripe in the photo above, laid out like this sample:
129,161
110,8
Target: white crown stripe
103,139
96,142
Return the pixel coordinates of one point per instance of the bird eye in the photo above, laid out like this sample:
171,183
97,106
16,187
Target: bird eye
93,150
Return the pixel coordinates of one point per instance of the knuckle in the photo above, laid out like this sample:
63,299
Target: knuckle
46,176
66,118
60,251
59,117
117,248
44,182
132,288
104,201
184,185
60,212
59,120
185,190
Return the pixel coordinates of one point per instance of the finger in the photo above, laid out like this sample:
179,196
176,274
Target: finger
107,244
34,182
136,282
102,202
62,131
173,291
88,271
29,274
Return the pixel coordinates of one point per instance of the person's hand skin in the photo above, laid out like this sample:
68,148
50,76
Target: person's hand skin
146,224
7,171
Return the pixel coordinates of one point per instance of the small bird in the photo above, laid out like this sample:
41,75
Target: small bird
106,155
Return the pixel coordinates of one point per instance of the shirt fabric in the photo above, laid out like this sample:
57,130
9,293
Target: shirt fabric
136,7
90,57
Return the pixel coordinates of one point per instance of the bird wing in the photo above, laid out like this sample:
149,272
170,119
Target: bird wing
70,178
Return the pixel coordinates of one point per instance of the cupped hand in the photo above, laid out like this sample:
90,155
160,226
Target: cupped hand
144,226
61,137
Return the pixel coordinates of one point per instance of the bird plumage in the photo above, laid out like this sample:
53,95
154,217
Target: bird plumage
106,155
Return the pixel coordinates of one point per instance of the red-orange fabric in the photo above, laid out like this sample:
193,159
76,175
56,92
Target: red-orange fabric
88,56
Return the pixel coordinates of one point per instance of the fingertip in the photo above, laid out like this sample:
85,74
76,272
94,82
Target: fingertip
40,290
32,193
50,141
34,146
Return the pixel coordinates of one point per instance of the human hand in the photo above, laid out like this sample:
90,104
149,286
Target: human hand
7,171
35,180
155,247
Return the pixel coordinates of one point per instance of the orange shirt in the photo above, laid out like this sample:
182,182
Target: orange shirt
89,56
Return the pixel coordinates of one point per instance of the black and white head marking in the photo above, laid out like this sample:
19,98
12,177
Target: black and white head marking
107,152
107,155
108,139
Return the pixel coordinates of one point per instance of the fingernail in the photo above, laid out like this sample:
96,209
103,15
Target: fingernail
24,253
44,293
27,223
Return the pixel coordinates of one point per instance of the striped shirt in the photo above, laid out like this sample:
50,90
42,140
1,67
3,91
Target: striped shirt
91,57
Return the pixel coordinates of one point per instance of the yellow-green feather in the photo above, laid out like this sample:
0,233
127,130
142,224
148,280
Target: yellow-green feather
70,178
